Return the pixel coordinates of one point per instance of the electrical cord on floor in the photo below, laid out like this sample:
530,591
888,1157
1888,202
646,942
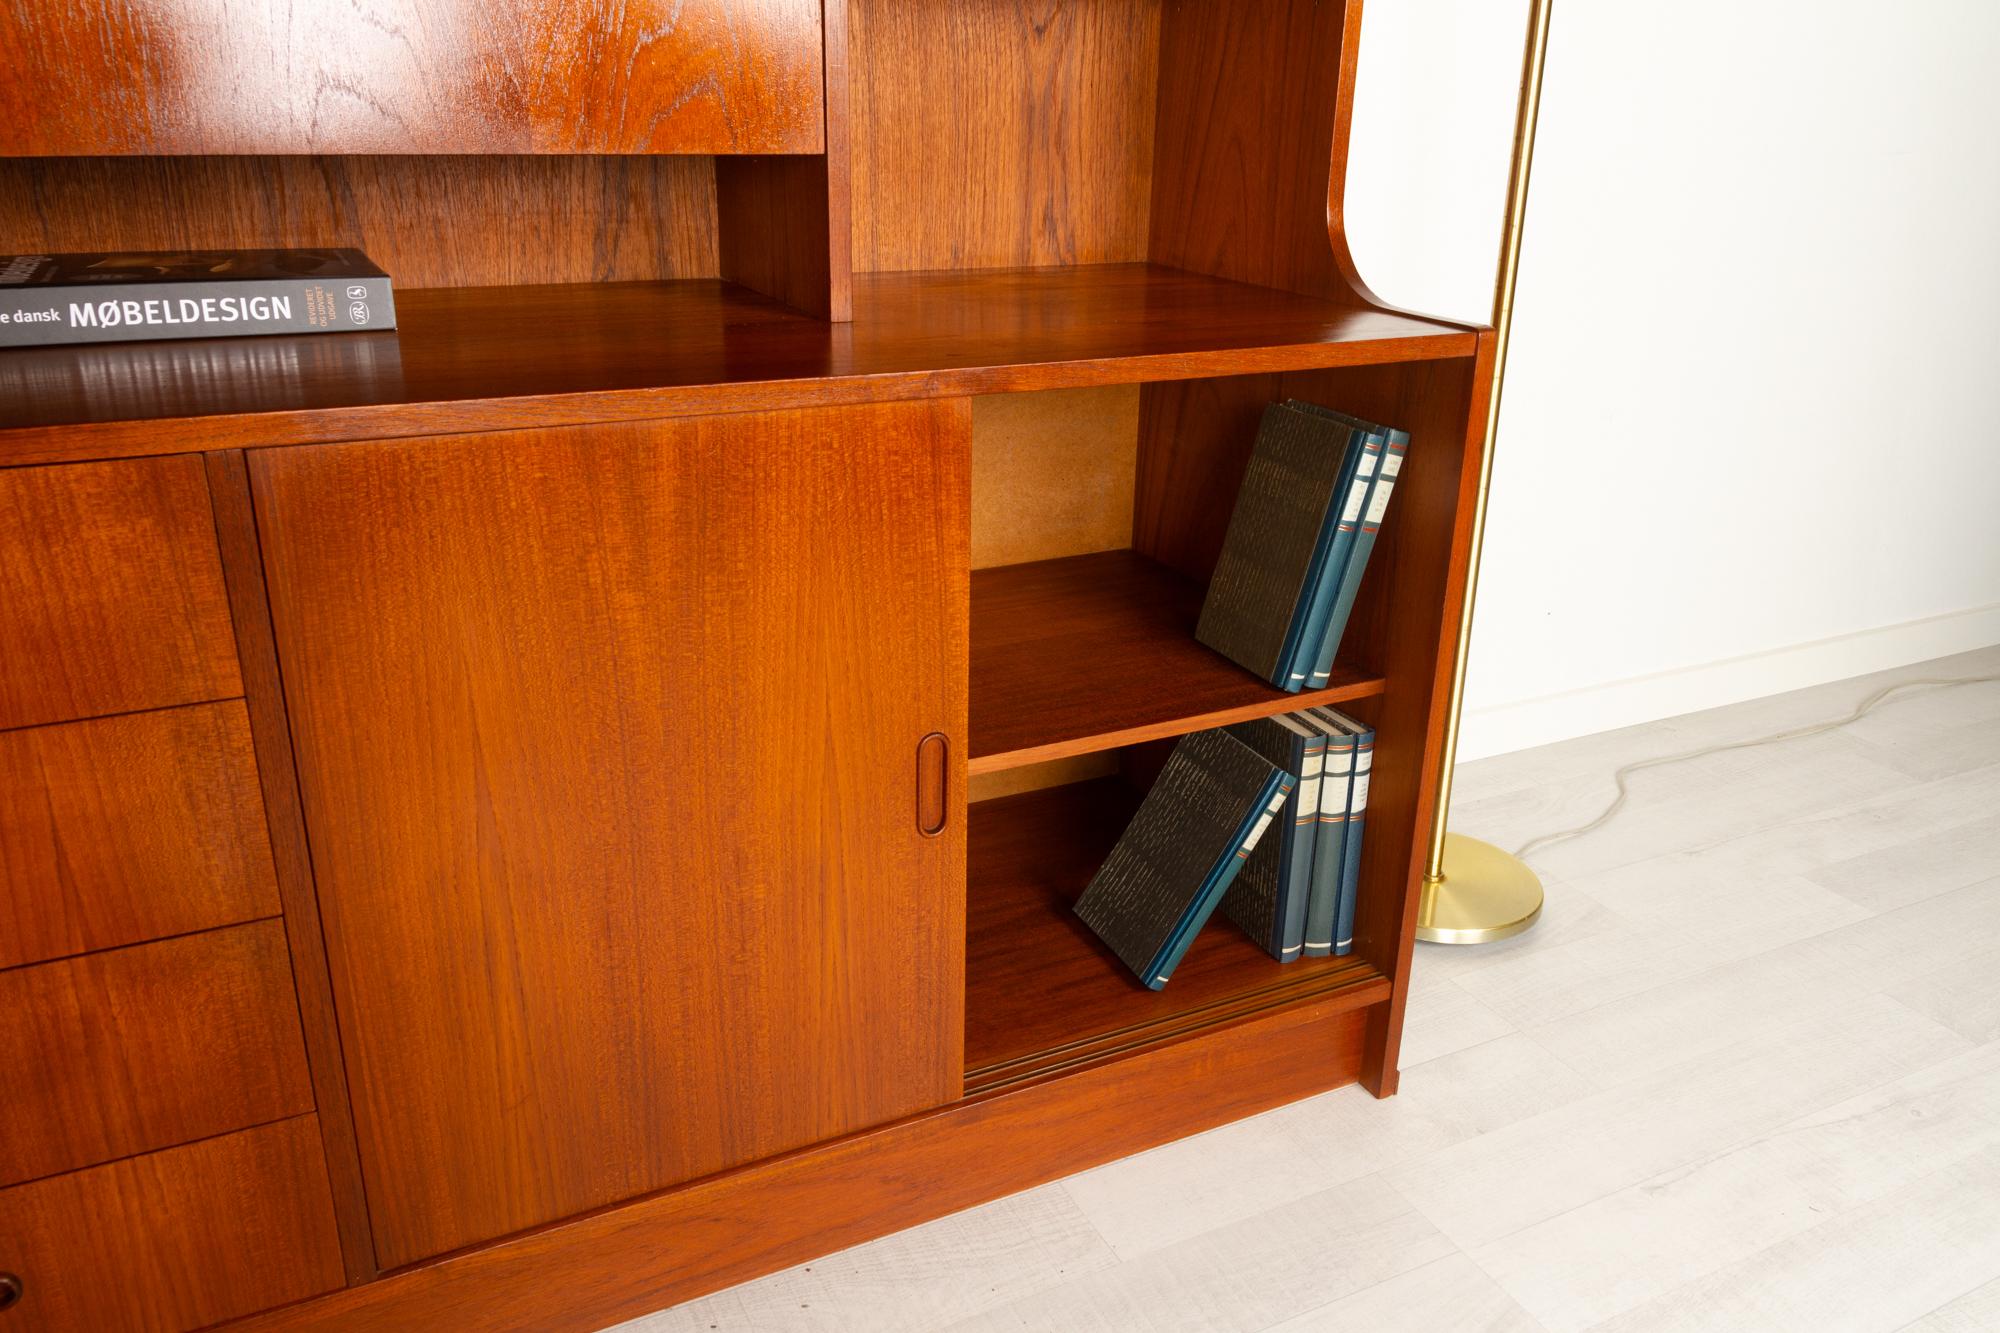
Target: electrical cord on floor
1797,733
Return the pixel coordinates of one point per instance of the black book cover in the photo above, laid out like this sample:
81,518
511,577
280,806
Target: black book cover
122,296
1184,836
1259,590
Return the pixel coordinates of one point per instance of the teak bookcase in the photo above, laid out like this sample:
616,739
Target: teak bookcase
532,817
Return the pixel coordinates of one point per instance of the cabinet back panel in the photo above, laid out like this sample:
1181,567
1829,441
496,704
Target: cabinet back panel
1052,473
987,134
607,744
428,221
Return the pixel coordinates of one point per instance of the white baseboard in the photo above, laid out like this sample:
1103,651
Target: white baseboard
1502,728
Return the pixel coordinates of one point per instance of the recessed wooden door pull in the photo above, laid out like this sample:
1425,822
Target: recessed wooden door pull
932,753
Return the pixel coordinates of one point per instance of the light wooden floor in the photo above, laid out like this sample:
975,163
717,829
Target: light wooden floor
1744,1075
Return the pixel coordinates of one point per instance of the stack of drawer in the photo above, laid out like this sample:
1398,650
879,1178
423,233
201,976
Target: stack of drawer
160,1165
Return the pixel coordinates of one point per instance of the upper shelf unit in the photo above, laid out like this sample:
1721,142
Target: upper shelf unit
482,358
586,222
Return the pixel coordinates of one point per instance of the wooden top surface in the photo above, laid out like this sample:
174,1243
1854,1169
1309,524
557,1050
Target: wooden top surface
498,357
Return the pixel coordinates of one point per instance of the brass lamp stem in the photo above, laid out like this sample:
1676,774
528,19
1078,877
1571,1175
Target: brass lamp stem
1503,318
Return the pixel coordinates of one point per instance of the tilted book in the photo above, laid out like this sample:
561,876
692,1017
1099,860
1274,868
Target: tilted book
1336,780
1268,900
1395,444
1273,551
1204,816
116,296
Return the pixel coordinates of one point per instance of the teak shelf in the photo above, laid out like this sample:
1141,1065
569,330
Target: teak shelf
610,762
1088,652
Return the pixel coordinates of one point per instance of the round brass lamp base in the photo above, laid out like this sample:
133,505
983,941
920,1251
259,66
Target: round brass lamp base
1485,894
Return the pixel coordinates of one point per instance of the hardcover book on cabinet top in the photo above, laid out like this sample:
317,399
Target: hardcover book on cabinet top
124,296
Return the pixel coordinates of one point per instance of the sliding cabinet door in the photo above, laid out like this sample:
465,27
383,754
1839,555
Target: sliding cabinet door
608,739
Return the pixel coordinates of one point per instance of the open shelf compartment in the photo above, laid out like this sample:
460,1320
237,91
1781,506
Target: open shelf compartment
1042,994
1088,652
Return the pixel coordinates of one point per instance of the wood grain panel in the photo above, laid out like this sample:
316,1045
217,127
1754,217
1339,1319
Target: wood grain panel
428,221
264,698
129,828
111,595
501,358
605,910
134,1049
173,1240
425,76
989,134
1251,104
672,1248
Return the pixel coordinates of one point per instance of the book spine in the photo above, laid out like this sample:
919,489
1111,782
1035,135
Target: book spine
128,312
1277,789
1296,887
1350,858
1364,450
1323,906
1357,561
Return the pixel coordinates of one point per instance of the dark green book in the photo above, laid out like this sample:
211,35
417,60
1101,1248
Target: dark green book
1268,900
1276,547
1204,816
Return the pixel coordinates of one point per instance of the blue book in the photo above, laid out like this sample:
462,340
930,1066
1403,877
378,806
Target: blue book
1336,539
1396,444
1355,824
1268,899
1323,900
1188,841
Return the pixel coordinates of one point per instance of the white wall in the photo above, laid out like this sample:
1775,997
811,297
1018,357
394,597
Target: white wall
1751,432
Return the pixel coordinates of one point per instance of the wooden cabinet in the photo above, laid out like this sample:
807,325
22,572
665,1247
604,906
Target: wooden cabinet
671,806
608,745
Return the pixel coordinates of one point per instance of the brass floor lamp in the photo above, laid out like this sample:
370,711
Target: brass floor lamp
1474,892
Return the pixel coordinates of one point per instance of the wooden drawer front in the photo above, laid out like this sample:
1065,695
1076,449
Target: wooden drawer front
111,596
130,828
84,77
135,1049
176,1239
